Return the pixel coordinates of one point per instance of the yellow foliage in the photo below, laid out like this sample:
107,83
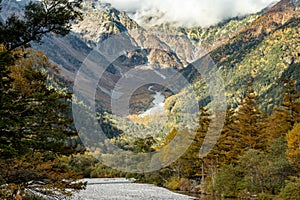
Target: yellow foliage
293,140
21,70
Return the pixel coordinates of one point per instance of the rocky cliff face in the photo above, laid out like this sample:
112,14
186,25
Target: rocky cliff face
234,46
163,46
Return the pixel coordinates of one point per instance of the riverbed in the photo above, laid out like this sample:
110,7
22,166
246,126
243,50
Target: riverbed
123,189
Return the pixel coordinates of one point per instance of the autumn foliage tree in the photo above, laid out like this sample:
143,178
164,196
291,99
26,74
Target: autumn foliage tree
286,115
259,160
248,122
242,129
293,140
34,118
35,128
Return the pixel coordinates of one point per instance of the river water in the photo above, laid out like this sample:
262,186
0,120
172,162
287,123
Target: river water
122,189
158,104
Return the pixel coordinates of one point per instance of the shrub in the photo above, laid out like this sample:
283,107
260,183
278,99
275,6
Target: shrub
173,184
291,190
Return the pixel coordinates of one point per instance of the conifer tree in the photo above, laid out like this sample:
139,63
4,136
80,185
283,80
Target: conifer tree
291,101
284,117
40,18
34,122
293,141
190,161
242,130
224,148
34,129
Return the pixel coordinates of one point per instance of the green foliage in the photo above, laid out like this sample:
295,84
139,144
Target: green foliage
34,118
82,163
291,190
256,172
248,161
206,36
102,171
33,197
34,130
228,181
264,196
256,168
190,163
267,57
40,17
34,122
144,145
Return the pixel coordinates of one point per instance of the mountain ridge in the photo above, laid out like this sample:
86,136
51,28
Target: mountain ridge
166,46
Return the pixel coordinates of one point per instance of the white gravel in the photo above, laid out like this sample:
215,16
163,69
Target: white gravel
122,189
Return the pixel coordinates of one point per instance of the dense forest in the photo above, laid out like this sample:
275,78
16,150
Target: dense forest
256,156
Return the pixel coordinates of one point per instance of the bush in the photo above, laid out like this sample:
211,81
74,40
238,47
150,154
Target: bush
228,182
291,190
173,184
176,183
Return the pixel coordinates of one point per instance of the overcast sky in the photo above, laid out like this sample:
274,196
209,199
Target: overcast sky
191,12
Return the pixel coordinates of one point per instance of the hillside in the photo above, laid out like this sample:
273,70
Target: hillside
266,51
164,46
263,47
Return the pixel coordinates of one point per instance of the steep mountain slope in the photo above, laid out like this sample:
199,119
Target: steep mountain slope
260,47
101,21
161,46
265,52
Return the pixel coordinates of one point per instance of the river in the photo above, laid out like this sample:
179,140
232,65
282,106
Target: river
158,103
123,189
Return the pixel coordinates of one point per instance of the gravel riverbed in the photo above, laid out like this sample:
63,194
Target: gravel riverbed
123,189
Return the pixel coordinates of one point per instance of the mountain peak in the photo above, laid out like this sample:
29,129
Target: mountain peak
283,4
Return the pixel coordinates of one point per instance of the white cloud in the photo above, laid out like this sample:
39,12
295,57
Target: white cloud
191,12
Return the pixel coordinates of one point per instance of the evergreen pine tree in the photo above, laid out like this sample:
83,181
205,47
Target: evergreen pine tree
243,129
284,117
34,130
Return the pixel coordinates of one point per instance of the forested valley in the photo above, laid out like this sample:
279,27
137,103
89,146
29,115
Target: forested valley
257,155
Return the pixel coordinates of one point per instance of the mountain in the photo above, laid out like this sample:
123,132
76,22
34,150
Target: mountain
265,52
163,46
263,47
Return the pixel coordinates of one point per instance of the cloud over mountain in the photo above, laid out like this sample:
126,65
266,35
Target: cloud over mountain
190,12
